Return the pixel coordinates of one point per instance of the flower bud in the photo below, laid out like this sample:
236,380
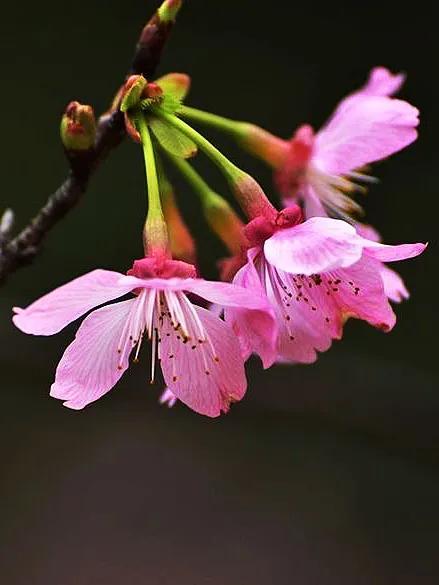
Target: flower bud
6,225
225,223
180,240
168,10
7,221
153,91
78,127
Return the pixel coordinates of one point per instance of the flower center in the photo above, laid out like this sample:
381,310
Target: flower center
170,322
333,191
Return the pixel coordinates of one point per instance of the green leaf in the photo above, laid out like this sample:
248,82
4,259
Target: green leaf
176,85
171,139
132,92
168,103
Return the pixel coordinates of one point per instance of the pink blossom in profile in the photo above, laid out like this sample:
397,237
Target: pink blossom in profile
321,169
316,275
198,352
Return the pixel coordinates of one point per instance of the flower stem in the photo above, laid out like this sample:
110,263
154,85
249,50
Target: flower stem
248,192
252,138
219,215
198,184
181,243
155,235
230,170
236,129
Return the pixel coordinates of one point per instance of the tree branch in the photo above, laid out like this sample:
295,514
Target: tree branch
24,247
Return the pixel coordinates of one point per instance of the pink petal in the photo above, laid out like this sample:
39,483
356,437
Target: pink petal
312,203
57,309
207,377
382,82
317,245
361,295
370,129
228,294
312,310
307,325
394,286
92,365
368,232
167,397
308,318
386,253
256,330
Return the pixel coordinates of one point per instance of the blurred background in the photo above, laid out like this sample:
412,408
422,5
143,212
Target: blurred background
323,475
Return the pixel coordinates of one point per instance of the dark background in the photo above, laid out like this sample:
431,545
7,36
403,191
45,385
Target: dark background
323,475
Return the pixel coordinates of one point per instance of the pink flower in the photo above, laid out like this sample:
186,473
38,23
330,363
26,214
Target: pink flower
315,274
198,352
322,168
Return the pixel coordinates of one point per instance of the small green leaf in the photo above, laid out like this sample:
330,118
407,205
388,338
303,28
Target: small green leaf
172,140
176,85
132,92
170,104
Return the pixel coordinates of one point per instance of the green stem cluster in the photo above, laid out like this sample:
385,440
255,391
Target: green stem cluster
231,171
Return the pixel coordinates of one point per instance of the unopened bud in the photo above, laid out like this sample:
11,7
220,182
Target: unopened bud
6,225
180,240
168,10
225,223
78,127
7,221
153,91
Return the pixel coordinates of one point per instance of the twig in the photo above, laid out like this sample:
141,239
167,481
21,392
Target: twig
25,246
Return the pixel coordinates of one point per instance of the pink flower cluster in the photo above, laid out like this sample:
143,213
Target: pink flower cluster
302,273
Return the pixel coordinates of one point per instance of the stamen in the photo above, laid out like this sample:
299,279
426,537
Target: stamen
153,356
334,190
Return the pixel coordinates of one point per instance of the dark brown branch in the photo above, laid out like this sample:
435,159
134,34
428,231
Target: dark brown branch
22,249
